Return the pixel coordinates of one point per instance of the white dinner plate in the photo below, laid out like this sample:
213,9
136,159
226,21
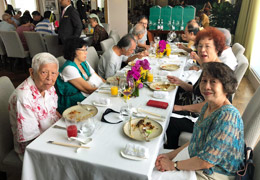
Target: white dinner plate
170,67
162,86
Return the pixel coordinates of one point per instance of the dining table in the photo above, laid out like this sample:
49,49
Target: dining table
103,159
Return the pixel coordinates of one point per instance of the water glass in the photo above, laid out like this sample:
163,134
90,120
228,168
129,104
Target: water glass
87,127
125,113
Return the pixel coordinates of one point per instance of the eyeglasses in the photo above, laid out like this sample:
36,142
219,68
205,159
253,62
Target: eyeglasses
83,49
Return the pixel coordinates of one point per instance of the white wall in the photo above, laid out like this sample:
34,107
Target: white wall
2,8
118,15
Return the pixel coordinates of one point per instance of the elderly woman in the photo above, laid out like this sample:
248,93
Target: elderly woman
77,79
210,43
32,106
100,33
217,144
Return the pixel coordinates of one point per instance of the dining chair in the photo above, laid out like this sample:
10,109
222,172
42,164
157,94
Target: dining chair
2,51
106,44
114,35
14,47
238,49
61,60
53,46
256,159
106,27
35,42
92,58
9,160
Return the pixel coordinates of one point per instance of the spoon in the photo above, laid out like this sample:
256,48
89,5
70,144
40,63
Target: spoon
84,106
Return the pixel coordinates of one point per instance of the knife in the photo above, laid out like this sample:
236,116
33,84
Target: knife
151,113
68,145
148,117
61,127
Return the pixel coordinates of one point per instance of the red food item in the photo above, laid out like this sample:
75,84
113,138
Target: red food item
158,104
72,131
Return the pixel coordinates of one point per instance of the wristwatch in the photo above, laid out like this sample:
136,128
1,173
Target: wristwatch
175,166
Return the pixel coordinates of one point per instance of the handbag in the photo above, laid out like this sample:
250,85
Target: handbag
248,168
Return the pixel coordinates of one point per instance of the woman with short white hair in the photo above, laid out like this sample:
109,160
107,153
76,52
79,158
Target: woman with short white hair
32,106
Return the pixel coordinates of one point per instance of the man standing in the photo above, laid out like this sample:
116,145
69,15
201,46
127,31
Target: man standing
70,23
81,7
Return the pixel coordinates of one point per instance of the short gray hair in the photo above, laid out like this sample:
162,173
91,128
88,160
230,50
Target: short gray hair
138,29
227,35
41,59
126,41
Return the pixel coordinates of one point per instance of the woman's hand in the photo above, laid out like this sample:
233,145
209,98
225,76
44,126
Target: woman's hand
193,55
196,68
177,108
165,165
174,80
181,46
159,158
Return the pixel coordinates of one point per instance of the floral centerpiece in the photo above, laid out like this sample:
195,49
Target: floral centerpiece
139,73
162,48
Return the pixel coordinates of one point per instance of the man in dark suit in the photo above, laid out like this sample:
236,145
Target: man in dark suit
81,7
70,23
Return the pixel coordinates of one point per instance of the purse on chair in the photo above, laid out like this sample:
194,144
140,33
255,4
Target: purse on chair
248,168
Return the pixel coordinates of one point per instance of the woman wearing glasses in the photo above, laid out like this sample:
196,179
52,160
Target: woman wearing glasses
77,79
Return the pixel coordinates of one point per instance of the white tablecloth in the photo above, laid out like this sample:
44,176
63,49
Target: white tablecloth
44,161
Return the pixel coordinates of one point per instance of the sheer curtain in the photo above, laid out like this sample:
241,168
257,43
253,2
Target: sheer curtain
246,26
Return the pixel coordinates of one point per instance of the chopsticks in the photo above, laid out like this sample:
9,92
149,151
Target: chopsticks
151,113
67,145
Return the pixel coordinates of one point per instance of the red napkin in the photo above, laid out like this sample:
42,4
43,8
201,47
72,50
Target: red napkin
158,104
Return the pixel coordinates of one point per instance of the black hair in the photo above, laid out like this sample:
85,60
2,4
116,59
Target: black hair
47,14
142,17
193,29
36,13
70,47
125,41
9,12
24,20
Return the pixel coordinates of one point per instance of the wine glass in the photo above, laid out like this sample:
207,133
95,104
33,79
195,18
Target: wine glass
128,87
156,39
171,36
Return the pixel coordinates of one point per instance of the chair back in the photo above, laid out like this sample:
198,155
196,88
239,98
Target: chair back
13,44
35,42
6,136
115,36
251,119
61,60
92,58
106,27
2,47
106,44
238,49
256,159
53,46
242,65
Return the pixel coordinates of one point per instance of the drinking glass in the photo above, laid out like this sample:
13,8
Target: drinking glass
71,126
114,89
87,127
157,39
125,113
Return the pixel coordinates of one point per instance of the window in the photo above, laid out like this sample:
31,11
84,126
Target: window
23,5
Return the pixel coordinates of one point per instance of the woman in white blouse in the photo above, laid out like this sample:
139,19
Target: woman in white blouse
77,79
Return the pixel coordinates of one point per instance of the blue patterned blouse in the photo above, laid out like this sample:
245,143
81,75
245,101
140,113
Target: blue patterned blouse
219,140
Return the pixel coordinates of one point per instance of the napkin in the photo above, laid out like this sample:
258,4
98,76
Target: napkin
103,101
158,104
160,94
164,73
136,150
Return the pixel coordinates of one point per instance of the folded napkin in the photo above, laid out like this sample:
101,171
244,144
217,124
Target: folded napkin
160,94
157,104
103,101
164,73
95,80
136,150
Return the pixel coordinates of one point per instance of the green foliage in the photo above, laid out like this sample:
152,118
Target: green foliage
225,15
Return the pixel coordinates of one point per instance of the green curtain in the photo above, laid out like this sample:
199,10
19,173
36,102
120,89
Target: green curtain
246,26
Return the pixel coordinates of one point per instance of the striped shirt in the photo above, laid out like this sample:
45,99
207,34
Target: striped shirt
45,27
219,140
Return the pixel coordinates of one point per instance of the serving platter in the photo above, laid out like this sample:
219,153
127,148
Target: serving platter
170,67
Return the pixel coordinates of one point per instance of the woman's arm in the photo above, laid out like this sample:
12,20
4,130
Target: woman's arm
82,85
182,84
192,108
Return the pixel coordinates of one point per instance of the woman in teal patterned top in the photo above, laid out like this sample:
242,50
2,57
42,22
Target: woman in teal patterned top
217,144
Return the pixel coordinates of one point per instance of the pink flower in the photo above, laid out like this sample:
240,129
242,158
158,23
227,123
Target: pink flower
140,85
162,45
